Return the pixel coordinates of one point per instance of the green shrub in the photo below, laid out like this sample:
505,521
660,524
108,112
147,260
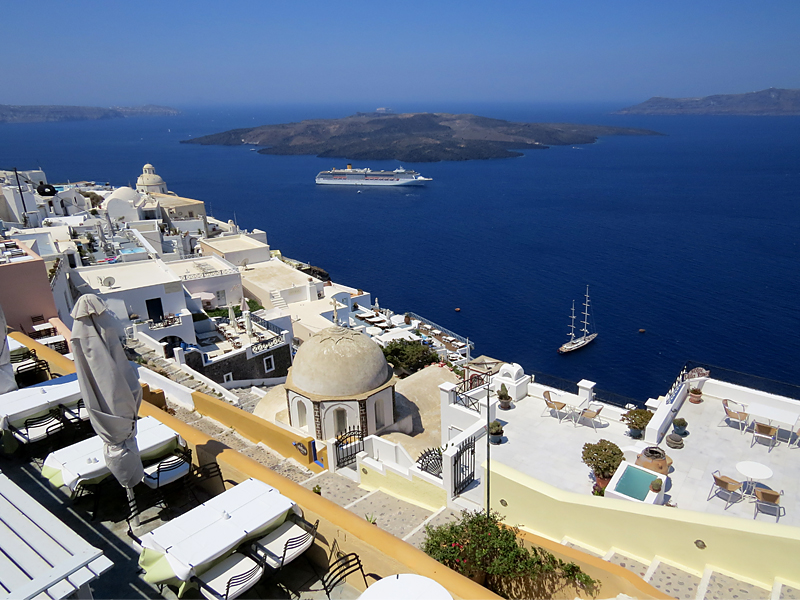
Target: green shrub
410,356
603,458
637,418
479,543
495,428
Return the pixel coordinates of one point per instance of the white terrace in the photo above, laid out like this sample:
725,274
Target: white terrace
537,444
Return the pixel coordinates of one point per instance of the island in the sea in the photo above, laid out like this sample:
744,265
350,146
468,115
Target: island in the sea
412,137
10,113
769,102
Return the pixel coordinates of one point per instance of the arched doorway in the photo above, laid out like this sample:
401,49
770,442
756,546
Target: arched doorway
339,421
302,416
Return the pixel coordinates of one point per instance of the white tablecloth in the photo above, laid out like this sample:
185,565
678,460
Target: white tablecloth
406,586
770,413
84,461
212,529
21,404
15,346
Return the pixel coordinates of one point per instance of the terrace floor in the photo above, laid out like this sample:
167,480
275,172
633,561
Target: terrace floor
550,451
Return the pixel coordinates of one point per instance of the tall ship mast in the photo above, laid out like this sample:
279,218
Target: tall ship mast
351,176
576,343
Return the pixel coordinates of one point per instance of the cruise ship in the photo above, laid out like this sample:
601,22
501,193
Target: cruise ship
351,176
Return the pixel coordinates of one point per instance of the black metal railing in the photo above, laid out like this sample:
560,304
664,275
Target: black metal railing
266,324
430,461
555,382
348,444
464,465
165,322
617,399
467,401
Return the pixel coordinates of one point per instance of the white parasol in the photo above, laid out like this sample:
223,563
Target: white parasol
7,381
232,316
109,386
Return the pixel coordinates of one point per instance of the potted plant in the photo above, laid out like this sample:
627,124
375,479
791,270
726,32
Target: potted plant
655,485
603,458
637,419
495,432
679,425
695,395
505,399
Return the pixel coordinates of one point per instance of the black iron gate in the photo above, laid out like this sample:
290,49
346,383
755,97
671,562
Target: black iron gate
464,465
348,444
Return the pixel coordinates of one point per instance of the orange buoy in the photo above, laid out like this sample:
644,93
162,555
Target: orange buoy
458,310
642,330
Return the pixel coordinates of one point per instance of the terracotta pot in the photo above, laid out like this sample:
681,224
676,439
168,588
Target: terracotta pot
602,481
695,398
505,404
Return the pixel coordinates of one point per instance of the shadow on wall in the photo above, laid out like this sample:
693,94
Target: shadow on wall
406,417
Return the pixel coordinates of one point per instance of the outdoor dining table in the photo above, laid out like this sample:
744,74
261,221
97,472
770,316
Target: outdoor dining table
753,471
41,556
771,413
195,541
84,462
38,399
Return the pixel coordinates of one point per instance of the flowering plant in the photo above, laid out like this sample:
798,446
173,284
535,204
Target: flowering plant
480,545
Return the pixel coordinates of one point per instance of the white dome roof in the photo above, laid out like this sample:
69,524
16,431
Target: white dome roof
147,166
124,193
339,362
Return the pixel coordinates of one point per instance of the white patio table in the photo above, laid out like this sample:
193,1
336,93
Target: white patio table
190,544
753,471
406,585
40,557
84,461
31,401
771,413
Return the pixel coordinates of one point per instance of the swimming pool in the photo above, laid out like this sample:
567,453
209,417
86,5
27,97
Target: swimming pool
632,482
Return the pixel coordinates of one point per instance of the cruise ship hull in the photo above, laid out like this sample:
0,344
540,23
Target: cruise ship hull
351,176
371,183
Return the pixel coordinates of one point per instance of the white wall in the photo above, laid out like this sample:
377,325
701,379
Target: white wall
328,423
388,416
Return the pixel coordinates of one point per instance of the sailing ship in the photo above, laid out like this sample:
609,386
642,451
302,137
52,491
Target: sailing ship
575,343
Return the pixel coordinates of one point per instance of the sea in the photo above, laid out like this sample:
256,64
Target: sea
691,236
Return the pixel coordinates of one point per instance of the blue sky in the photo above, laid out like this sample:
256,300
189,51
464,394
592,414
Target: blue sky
263,52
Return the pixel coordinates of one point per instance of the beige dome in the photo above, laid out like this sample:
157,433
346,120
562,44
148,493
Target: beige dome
123,193
339,362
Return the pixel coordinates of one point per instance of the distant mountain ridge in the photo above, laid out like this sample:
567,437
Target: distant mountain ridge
411,137
771,102
10,113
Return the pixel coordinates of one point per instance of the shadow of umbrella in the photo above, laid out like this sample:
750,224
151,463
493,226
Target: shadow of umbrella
109,386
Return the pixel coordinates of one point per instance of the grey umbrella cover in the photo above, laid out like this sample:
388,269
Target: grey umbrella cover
109,385
7,381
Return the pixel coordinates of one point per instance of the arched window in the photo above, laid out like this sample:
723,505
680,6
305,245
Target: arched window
380,421
301,415
339,421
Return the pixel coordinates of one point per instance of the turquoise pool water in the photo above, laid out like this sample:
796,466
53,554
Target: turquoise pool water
634,483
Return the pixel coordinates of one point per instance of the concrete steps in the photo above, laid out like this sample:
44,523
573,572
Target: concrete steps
277,300
685,584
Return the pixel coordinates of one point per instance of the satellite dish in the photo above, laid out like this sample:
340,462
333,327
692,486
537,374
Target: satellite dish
109,281
244,264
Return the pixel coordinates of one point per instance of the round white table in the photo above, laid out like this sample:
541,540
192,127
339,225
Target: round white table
405,586
754,472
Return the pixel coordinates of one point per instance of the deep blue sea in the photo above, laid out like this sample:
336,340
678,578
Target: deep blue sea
692,236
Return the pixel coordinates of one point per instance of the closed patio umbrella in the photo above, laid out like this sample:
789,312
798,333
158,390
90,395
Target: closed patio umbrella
109,386
7,381
243,305
232,317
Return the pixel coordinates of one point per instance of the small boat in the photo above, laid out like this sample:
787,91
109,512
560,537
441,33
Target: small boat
579,342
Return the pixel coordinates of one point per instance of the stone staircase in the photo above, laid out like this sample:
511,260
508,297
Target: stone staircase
277,300
679,582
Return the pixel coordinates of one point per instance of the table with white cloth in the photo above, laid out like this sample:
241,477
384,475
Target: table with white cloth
85,462
40,556
195,541
38,399
406,585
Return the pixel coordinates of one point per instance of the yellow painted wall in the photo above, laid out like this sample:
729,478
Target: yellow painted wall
417,491
759,551
339,530
59,364
258,430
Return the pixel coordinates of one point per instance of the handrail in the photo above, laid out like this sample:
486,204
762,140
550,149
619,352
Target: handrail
460,338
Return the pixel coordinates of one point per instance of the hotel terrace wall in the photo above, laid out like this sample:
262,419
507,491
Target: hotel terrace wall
25,291
759,551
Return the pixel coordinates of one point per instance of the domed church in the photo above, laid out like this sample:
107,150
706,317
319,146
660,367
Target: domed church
339,380
148,181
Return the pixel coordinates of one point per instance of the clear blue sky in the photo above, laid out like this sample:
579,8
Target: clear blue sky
263,52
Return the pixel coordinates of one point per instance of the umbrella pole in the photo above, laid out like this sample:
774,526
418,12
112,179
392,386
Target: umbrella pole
131,496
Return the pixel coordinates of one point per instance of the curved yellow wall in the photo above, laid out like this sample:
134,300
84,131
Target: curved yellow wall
381,552
758,551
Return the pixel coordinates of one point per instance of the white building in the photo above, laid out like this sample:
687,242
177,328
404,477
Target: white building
210,280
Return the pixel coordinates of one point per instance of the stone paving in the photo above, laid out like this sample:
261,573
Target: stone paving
337,488
626,562
392,514
789,593
675,582
722,587
416,538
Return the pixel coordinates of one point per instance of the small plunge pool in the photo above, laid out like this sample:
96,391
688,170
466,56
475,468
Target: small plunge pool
632,482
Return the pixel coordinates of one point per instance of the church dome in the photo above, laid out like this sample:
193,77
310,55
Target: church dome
149,181
339,362
125,194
